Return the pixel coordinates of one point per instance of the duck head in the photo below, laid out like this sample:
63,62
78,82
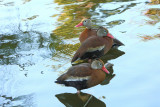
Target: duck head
85,22
98,64
103,32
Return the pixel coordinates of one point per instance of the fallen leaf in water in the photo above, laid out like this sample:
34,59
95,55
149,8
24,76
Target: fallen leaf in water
30,18
147,37
90,4
154,2
152,22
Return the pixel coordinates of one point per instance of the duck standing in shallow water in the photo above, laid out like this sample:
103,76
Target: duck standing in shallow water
84,75
95,46
89,31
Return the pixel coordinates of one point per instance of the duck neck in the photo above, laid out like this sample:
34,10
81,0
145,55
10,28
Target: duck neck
108,38
88,27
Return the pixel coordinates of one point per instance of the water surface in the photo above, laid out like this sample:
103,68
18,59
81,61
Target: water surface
38,40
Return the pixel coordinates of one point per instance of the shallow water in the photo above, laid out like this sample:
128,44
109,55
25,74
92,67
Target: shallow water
38,40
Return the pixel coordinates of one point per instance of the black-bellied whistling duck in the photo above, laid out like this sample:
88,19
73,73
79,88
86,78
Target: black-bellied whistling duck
84,75
89,31
95,46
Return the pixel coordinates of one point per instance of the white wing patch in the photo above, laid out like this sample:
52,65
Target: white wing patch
77,78
99,48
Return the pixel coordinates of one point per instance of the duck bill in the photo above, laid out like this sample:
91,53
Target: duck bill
105,70
109,35
80,24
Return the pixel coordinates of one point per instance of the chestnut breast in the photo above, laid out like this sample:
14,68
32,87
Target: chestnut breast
87,33
108,44
97,77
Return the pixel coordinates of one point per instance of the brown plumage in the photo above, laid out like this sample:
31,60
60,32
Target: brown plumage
94,47
84,75
89,32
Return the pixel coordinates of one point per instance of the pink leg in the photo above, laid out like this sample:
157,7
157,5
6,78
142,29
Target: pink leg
89,60
78,91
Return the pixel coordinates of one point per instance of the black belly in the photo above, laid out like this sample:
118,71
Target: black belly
79,85
93,55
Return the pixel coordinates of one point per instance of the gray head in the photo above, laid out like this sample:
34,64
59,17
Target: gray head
85,22
103,32
98,64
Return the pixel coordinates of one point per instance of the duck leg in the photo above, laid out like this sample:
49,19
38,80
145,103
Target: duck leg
89,60
78,92
88,101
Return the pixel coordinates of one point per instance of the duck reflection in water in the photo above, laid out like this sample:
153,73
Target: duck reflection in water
112,54
79,100
109,76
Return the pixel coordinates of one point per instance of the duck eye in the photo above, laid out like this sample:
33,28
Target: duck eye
100,64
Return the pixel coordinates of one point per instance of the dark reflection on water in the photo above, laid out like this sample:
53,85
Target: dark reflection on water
113,23
112,54
82,100
11,46
25,101
109,76
57,46
7,48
